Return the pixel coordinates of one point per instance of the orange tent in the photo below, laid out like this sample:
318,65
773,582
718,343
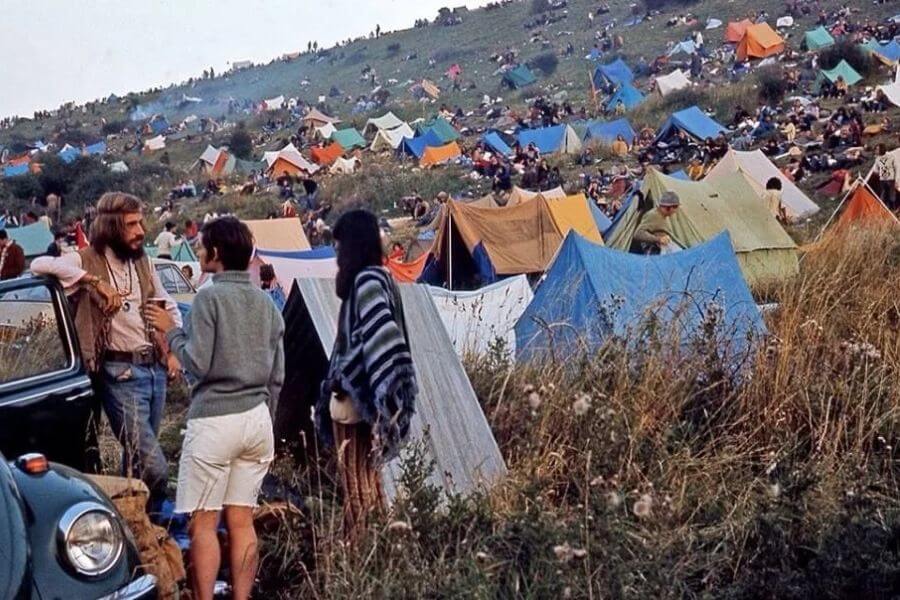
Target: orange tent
735,31
327,154
280,166
407,272
221,162
759,41
438,154
863,208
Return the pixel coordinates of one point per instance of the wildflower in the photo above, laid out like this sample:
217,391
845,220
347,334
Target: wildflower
613,500
598,480
534,400
643,507
581,405
482,556
565,553
775,490
528,389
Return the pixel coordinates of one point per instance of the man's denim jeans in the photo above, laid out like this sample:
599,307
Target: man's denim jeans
133,398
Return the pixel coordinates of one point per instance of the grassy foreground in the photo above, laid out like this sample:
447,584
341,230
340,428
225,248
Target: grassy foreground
659,475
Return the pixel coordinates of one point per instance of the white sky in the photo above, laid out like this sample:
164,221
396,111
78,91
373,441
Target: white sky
54,51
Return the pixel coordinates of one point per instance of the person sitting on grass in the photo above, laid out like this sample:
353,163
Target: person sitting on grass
238,364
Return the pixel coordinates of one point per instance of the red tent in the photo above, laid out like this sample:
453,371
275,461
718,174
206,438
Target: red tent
326,155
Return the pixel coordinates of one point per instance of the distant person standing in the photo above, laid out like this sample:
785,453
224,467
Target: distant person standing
886,171
773,198
166,241
12,257
238,364
54,206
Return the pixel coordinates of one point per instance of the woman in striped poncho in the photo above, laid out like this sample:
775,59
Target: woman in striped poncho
368,396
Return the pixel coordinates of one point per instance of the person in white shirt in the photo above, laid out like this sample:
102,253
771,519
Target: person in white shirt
165,241
110,281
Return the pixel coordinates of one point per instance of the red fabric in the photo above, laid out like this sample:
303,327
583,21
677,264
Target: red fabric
80,239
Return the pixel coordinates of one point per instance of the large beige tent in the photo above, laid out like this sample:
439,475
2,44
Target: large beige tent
387,121
759,169
390,139
316,118
289,160
278,234
765,251
674,81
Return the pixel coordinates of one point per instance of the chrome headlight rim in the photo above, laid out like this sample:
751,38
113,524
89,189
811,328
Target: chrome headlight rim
68,520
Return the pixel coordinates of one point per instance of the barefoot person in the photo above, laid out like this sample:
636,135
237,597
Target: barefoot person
239,367
369,393
109,281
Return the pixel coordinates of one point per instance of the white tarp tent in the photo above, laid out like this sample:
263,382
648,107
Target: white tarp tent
298,265
326,131
118,167
759,169
674,81
390,139
476,320
290,154
892,90
388,121
156,143
273,103
787,21
712,23
344,166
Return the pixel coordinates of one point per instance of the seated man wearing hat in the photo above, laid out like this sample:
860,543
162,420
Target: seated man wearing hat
654,234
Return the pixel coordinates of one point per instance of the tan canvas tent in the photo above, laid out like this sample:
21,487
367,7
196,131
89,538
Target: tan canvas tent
316,118
387,121
278,234
390,139
674,81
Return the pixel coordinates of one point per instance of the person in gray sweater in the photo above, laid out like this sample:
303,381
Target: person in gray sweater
233,347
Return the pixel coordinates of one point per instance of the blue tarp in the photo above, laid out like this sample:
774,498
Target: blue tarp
629,95
159,125
13,170
34,238
69,154
592,292
692,121
318,253
547,139
602,221
680,174
96,149
496,143
615,73
606,132
416,146
890,51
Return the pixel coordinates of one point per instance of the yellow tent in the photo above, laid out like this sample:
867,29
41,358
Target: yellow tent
572,212
278,234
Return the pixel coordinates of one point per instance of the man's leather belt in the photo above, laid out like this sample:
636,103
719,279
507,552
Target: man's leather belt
141,357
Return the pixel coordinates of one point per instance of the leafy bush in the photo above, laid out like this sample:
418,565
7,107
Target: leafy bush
772,84
393,49
539,6
546,63
113,127
846,50
240,143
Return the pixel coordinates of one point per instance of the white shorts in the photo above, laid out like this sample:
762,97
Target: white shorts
224,460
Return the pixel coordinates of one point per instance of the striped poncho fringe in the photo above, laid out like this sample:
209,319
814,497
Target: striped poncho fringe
372,364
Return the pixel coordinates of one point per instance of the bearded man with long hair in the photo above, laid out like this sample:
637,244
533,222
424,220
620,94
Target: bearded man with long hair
108,284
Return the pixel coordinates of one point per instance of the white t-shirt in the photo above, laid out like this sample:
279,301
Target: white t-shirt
165,241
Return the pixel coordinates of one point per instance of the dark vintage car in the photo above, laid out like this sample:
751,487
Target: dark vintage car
60,536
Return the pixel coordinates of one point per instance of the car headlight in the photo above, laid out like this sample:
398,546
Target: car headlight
90,538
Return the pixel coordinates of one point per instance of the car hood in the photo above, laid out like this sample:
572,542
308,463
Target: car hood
13,536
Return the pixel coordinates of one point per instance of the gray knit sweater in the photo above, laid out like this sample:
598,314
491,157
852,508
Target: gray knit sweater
233,345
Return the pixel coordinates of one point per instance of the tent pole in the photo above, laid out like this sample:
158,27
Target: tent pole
449,248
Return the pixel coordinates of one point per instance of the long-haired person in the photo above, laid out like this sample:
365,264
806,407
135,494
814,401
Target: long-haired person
238,363
109,281
368,396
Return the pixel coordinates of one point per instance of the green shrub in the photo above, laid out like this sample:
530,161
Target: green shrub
546,63
772,84
240,143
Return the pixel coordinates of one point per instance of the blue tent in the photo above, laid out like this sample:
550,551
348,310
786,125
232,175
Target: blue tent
602,221
692,121
495,142
606,132
888,52
592,292
416,146
68,155
158,125
13,170
615,73
442,128
33,238
549,139
96,149
628,95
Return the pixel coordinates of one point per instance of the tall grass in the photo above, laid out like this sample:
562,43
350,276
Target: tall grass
654,474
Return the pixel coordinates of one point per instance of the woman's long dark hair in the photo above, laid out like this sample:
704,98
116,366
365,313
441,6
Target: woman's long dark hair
359,246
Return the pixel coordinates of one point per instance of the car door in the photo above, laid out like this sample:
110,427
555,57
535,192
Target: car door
175,282
46,401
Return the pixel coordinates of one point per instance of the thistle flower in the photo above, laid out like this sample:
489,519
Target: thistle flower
581,405
534,400
643,507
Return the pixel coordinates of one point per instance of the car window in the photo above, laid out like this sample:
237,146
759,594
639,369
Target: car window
172,279
31,341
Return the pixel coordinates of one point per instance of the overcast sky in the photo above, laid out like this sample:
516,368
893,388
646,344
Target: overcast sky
54,51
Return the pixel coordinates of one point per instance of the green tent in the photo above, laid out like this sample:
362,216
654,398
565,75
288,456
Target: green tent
519,77
349,138
817,39
843,69
441,128
181,252
34,239
764,249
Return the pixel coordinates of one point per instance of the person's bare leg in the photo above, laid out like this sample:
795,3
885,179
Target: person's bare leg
243,550
205,553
